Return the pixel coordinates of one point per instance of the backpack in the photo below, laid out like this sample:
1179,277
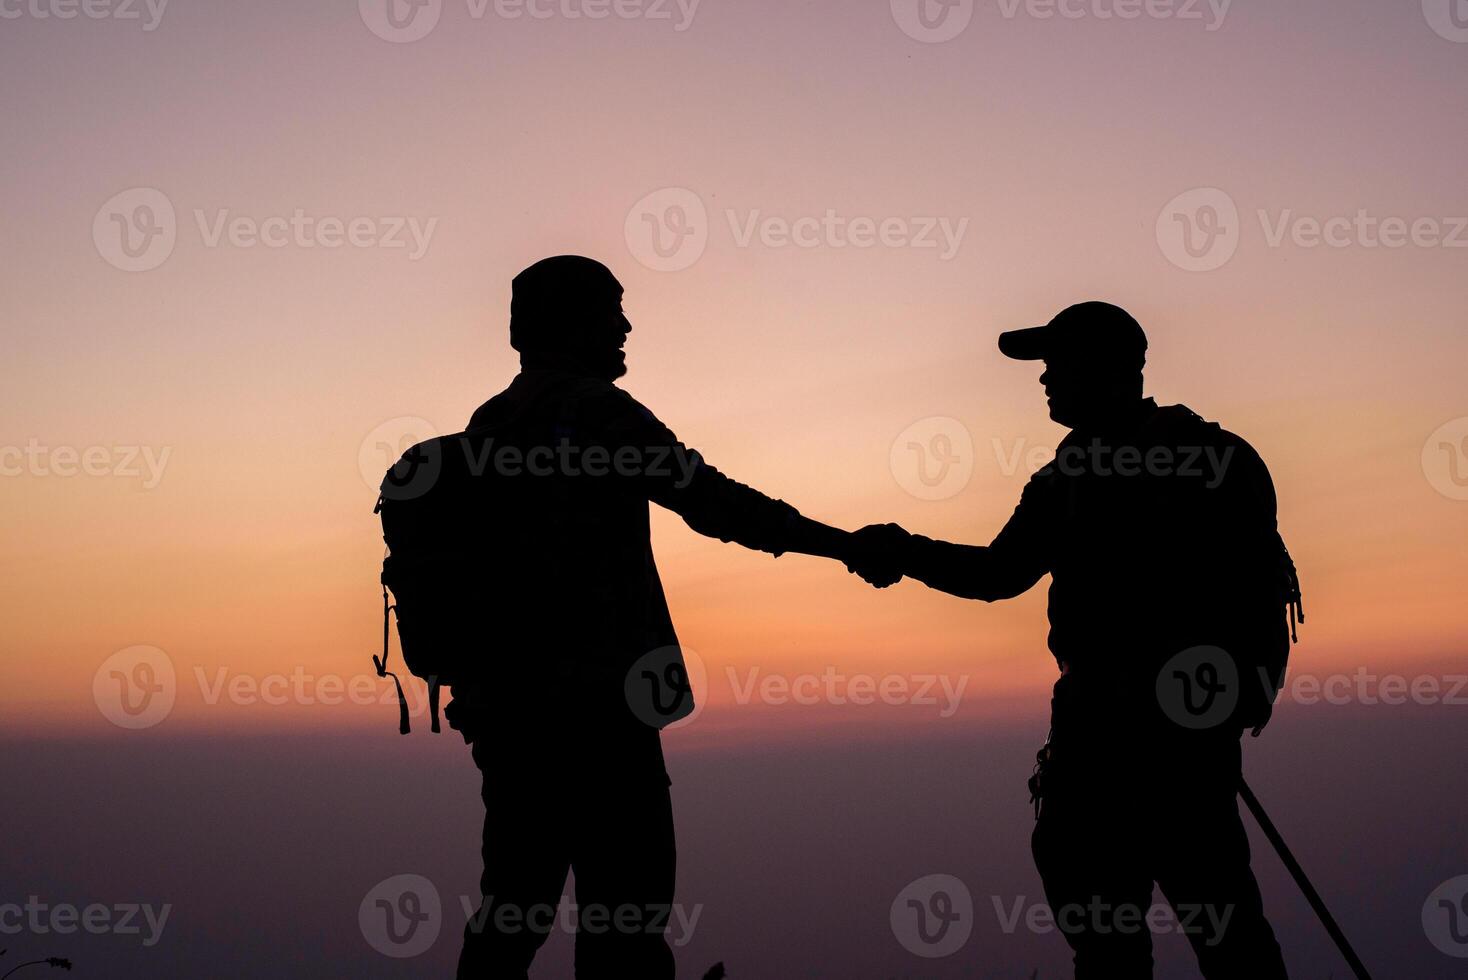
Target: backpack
466,575
415,498
1269,604
445,521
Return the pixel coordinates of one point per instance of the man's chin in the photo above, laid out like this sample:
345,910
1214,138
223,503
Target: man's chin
1060,415
614,368
607,366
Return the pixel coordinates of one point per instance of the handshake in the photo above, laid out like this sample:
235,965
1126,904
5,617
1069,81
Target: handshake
878,553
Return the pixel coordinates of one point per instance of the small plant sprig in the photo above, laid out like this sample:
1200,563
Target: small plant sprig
56,961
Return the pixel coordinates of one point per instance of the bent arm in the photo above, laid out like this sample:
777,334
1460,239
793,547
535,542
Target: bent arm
969,571
1018,557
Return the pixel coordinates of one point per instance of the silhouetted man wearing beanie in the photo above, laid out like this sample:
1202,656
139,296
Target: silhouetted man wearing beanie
588,668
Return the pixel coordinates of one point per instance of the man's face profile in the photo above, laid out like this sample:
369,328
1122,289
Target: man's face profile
569,309
1067,393
1082,390
603,335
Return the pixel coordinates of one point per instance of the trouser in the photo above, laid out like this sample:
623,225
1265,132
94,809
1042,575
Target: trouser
598,809
1120,813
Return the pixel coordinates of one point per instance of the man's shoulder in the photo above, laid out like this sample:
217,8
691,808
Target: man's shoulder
1182,423
556,394
598,400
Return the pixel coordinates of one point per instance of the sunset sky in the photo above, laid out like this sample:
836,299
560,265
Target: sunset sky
237,396
1054,144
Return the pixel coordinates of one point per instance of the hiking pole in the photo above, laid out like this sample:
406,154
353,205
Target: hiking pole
1298,873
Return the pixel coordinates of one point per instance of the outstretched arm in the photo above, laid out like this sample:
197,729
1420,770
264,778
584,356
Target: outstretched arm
1011,565
680,479
713,504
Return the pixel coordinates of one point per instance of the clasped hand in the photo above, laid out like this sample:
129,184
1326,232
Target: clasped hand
878,554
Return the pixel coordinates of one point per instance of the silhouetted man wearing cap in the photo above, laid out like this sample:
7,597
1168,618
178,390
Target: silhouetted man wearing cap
1166,612
586,664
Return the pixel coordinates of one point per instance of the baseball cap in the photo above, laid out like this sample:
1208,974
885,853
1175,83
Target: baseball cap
1095,330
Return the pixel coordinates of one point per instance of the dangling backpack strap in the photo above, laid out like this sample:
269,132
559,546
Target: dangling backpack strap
1294,598
381,664
1037,777
1294,601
